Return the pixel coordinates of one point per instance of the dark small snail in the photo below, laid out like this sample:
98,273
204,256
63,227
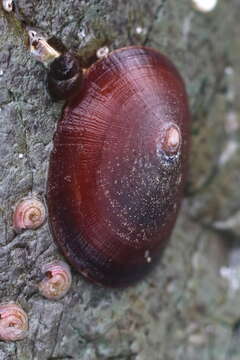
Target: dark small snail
65,77
118,164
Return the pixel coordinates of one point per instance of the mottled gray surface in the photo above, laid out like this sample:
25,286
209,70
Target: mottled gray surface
188,308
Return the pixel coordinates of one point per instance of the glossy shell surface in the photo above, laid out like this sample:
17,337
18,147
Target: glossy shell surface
118,166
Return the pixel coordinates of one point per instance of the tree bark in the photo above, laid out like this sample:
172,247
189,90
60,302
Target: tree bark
189,306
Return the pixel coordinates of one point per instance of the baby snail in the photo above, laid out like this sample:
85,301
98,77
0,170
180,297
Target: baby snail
57,280
29,213
65,76
8,5
13,322
118,164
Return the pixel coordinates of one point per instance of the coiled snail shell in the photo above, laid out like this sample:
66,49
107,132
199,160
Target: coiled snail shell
57,280
13,322
29,213
118,166
65,76
8,5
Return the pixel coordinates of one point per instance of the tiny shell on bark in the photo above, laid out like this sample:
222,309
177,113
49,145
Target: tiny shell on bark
13,322
29,213
57,280
7,5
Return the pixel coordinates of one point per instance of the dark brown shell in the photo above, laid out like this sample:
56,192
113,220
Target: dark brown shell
65,77
114,186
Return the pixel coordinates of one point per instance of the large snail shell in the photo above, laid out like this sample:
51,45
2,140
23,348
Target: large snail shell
118,166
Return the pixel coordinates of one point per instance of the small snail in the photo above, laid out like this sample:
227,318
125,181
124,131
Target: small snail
65,76
29,213
118,164
8,5
57,280
13,322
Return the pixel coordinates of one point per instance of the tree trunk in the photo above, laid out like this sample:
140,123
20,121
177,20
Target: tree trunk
188,308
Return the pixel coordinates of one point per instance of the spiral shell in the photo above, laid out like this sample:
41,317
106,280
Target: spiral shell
57,280
13,322
65,77
102,52
29,213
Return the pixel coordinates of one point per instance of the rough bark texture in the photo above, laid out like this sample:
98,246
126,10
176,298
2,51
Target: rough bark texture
188,308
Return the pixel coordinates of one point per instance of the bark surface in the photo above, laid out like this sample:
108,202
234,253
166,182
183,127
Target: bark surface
188,308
